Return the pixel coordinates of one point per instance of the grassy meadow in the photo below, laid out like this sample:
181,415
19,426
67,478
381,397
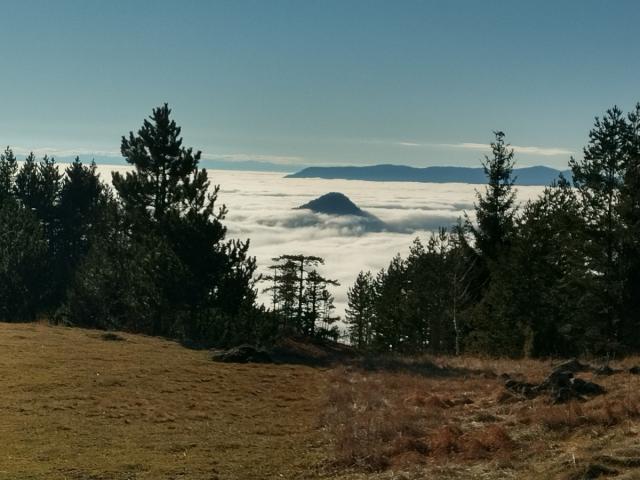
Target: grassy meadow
81,404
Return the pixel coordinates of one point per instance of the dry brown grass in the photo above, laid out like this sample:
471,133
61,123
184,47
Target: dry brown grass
453,419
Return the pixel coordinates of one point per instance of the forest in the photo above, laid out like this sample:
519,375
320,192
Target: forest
148,253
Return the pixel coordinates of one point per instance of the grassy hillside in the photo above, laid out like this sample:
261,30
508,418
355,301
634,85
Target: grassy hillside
76,404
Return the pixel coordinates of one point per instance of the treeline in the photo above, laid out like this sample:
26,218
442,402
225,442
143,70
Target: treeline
559,275
148,255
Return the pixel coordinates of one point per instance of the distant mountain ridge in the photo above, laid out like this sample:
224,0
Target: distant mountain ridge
538,175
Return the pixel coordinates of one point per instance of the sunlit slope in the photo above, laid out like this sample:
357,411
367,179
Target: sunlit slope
77,406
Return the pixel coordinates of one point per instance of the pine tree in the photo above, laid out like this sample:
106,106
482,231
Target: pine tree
492,235
299,294
495,209
166,178
82,216
316,296
360,312
197,284
23,251
630,216
8,170
390,293
537,305
599,178
293,279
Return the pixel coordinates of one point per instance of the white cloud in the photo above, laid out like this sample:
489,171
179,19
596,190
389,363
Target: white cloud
65,152
262,207
484,147
88,152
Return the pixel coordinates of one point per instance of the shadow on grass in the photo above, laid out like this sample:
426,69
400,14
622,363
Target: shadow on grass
422,366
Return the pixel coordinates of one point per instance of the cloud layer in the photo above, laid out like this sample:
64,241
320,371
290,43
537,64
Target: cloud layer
262,207
485,147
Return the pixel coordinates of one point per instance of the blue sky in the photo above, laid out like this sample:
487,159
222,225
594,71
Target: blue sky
318,82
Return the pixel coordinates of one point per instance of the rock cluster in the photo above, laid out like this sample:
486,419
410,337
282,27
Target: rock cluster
242,354
561,384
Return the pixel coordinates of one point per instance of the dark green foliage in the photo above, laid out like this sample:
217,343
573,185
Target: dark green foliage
8,171
83,214
599,178
360,312
629,209
493,226
167,179
561,276
390,303
151,259
300,296
492,236
167,268
121,285
23,252
416,304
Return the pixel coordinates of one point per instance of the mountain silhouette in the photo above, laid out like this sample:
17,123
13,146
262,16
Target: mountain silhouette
401,173
335,203
338,204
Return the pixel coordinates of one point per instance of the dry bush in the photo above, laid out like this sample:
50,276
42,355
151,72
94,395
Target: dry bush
602,411
383,419
476,444
454,414
370,428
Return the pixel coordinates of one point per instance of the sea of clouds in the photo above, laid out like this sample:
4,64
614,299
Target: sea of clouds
262,207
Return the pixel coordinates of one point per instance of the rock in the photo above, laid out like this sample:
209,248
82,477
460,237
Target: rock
584,387
565,387
111,337
528,390
606,370
592,472
573,366
242,354
635,370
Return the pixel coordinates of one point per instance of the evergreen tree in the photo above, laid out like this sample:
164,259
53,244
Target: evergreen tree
327,329
492,235
599,178
299,295
283,290
82,216
629,209
23,252
495,209
166,178
318,304
360,311
536,306
195,283
26,182
290,288
390,290
8,171
37,187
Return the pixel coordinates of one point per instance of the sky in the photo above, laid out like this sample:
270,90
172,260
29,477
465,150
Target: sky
330,82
